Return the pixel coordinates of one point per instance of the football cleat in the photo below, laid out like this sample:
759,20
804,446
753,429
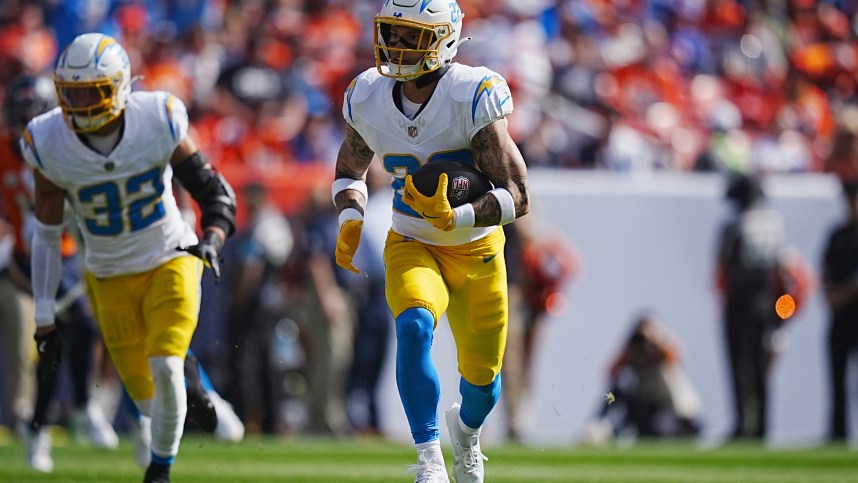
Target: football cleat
201,410
39,449
157,473
468,458
229,425
91,420
429,469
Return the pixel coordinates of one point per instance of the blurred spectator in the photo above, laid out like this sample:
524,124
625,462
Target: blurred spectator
754,267
649,394
374,320
840,279
598,84
541,263
259,251
327,317
15,329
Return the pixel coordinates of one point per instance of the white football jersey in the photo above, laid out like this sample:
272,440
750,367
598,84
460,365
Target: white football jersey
124,201
465,100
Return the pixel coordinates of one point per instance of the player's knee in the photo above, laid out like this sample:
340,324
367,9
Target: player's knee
490,389
415,327
138,387
479,376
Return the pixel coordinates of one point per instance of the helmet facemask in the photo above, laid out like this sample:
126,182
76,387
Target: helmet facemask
89,106
431,38
93,82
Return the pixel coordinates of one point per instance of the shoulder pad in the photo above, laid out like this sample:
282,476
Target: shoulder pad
359,90
466,79
488,98
28,143
169,108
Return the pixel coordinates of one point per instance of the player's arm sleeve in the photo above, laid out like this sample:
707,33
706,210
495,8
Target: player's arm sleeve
47,270
490,100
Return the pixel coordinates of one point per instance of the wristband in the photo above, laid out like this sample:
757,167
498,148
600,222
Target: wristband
349,214
464,216
507,205
342,184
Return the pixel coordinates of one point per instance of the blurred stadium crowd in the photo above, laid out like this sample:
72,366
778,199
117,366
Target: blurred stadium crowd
623,85
683,85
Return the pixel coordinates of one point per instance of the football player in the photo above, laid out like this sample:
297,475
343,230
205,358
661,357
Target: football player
26,98
416,107
112,154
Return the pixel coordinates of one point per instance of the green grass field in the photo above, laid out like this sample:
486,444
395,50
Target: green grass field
205,460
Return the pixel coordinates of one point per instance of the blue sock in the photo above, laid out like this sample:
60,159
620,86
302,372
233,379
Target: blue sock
162,460
416,376
478,401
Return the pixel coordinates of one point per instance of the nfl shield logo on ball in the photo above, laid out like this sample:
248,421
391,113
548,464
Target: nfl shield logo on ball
412,131
459,188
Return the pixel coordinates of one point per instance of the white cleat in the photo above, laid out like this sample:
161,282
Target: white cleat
468,458
141,435
39,450
99,431
229,426
429,469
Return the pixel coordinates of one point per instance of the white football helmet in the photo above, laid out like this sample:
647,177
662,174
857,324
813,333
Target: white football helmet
93,81
439,26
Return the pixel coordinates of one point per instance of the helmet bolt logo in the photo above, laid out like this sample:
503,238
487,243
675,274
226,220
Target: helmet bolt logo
459,188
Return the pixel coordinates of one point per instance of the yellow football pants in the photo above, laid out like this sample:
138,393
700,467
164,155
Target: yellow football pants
468,282
148,314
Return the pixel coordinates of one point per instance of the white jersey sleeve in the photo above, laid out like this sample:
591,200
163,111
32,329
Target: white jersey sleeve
490,99
175,116
358,91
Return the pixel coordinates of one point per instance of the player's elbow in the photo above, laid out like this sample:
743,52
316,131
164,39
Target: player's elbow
523,206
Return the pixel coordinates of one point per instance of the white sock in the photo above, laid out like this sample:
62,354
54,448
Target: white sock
169,406
467,429
430,451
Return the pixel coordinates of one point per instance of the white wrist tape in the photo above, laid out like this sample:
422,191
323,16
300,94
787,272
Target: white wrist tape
507,205
464,216
349,214
342,184
47,270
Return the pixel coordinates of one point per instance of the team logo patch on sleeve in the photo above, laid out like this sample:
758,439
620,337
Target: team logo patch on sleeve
486,87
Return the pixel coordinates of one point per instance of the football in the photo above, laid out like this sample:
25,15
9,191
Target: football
464,183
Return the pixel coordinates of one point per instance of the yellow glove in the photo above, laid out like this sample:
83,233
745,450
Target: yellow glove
435,209
347,243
